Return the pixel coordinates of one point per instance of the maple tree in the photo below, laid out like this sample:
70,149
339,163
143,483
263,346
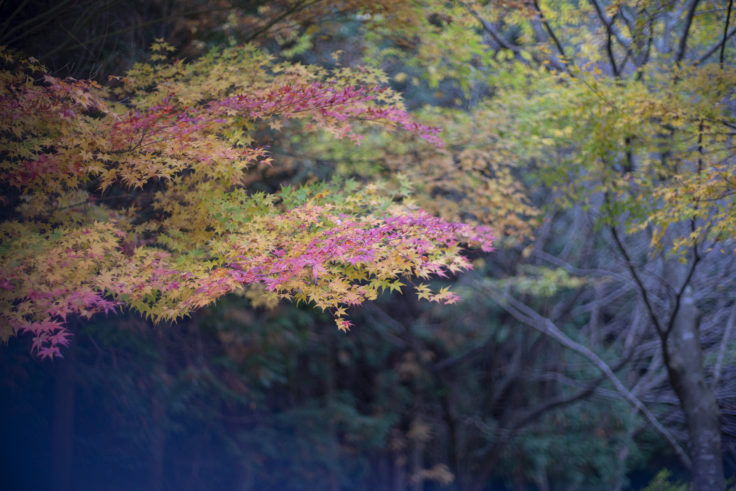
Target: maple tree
134,195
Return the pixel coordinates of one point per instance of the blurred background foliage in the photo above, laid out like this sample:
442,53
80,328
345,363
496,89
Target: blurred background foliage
416,396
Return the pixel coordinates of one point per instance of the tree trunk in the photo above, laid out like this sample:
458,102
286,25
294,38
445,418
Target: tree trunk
158,442
684,361
158,415
63,424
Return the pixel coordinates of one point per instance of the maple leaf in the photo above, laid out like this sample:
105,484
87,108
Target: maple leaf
343,325
423,291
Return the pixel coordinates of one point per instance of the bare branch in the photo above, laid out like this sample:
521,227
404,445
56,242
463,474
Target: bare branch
725,33
611,57
488,27
686,32
498,37
566,400
602,273
555,403
31,25
638,281
292,10
610,25
715,47
526,315
555,40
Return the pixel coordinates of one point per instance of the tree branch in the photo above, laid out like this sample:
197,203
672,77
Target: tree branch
294,9
686,32
725,33
715,47
32,25
637,280
609,51
610,25
488,27
552,35
563,401
493,32
526,315
601,273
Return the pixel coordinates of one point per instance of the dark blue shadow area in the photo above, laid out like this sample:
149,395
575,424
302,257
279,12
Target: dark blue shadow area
234,400
26,410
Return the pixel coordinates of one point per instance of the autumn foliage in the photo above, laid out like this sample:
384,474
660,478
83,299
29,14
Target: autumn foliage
134,194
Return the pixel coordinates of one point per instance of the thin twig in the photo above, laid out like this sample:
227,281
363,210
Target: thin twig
637,280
